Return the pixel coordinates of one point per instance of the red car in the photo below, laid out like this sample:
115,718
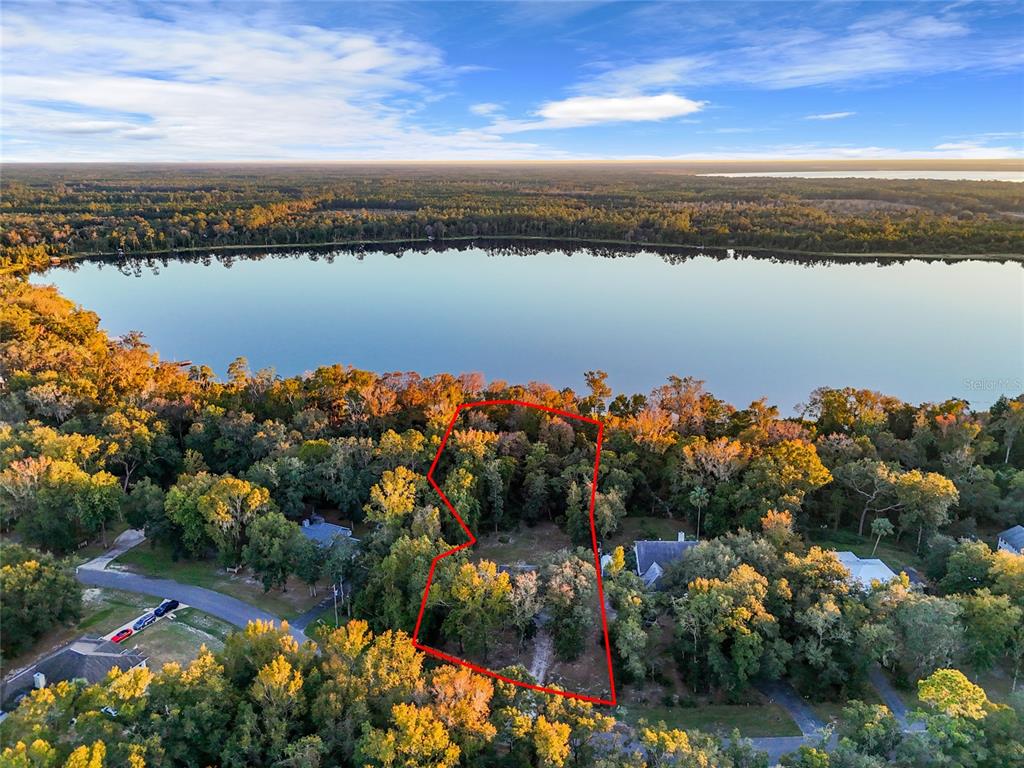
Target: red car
124,634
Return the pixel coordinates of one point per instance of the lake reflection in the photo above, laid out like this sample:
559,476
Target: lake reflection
923,331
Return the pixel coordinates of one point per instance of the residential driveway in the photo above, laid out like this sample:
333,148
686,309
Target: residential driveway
230,609
786,697
892,699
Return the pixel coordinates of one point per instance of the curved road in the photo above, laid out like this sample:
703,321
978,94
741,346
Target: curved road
230,609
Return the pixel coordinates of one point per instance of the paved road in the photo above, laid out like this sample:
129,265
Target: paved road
230,609
892,699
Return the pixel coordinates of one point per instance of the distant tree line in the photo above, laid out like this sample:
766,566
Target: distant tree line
48,212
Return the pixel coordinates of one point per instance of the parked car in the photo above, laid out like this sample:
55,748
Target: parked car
166,607
124,634
109,711
144,621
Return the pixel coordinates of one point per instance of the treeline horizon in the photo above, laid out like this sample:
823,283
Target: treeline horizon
54,211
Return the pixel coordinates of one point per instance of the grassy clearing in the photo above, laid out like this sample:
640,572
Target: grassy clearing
635,528
527,545
997,683
95,548
179,639
892,554
751,719
158,562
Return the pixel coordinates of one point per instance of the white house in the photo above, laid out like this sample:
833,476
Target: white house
1012,540
863,571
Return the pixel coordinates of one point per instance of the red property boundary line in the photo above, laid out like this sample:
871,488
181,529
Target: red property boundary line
472,540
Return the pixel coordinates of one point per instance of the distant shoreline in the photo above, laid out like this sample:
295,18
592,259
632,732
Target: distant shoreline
439,244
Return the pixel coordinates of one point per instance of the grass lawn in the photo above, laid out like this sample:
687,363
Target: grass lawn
751,719
158,563
179,639
893,555
96,548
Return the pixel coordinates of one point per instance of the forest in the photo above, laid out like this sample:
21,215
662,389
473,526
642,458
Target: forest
96,431
47,212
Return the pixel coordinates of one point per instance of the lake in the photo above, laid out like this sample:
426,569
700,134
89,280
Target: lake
1015,176
923,331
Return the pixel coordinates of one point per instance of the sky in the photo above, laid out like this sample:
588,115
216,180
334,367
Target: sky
137,81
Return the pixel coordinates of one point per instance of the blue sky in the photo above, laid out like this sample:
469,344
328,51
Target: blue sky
552,80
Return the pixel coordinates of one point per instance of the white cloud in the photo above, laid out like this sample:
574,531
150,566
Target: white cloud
485,109
105,82
830,116
580,111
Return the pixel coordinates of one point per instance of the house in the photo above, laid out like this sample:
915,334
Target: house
324,533
1012,540
863,571
653,557
88,658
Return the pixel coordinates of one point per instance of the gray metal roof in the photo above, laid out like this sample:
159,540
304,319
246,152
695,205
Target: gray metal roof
1014,537
660,552
89,658
325,533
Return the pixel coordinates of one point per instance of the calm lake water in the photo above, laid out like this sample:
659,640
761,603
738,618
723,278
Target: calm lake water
923,331
1017,176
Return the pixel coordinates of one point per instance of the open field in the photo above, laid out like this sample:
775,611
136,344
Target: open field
524,545
159,563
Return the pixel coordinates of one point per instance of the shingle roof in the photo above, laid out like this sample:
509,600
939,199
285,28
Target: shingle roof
661,552
90,658
1014,537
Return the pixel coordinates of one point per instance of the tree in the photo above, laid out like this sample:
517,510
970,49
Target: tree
874,482
270,550
571,597
462,702
1011,421
479,602
951,693
618,561
699,499
990,623
871,728
415,738
968,568
228,507
880,526
925,499
308,559
394,497
181,505
38,594
525,603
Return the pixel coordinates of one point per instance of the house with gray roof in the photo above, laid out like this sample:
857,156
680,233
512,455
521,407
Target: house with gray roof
865,570
1012,540
324,533
87,658
653,557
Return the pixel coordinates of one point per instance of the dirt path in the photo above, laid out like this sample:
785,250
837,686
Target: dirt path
543,650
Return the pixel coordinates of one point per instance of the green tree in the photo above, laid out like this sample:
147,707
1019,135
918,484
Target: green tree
270,550
38,594
880,526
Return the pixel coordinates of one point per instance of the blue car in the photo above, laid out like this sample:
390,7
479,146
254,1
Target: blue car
144,621
166,607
